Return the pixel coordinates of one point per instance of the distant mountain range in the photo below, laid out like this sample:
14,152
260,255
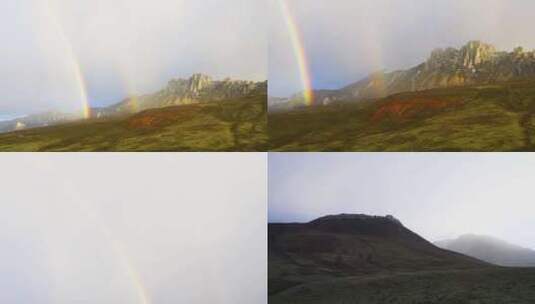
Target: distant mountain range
475,63
37,120
491,250
198,88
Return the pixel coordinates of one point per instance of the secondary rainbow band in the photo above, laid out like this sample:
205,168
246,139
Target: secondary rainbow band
116,246
299,51
132,273
86,109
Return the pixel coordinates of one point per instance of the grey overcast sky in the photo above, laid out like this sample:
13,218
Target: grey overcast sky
437,195
345,40
122,46
143,229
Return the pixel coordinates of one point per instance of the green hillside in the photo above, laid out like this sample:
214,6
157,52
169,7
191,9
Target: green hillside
495,117
234,125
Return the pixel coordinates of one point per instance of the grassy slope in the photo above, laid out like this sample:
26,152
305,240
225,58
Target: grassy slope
303,258
238,125
489,286
485,118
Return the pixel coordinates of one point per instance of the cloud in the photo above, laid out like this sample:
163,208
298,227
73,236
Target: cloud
436,195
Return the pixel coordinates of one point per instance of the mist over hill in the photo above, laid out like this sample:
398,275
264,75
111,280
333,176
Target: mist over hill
491,250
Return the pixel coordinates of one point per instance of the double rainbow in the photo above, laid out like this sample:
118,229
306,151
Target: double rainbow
299,51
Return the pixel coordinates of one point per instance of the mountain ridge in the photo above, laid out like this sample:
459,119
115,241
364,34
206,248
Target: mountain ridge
198,88
195,89
475,63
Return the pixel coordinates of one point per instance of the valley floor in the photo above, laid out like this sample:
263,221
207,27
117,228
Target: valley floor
485,286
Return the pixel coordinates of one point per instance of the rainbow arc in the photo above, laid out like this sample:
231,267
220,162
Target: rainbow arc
299,52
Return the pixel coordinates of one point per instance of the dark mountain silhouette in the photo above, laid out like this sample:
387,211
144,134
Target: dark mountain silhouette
491,250
356,258
356,244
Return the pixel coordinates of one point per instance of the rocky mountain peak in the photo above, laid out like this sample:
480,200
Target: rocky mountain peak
476,52
197,88
197,82
192,85
469,56
442,58
474,63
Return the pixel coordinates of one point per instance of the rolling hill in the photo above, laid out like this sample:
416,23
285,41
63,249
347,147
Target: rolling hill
229,125
355,258
491,250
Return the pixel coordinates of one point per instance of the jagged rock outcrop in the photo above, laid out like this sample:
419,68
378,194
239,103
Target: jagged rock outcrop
474,63
198,88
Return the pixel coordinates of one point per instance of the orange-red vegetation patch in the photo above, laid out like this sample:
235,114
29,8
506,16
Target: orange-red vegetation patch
405,109
158,118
